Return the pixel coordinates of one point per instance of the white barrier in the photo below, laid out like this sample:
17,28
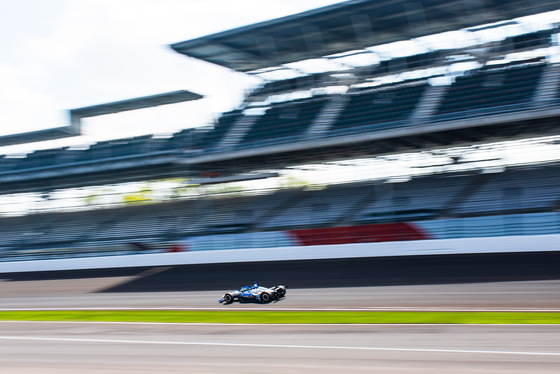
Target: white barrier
504,244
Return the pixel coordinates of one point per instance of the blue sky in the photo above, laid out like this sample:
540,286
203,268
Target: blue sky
63,54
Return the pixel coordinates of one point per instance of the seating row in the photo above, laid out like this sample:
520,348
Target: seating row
516,191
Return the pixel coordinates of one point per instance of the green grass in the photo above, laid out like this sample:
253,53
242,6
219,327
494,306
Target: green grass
280,317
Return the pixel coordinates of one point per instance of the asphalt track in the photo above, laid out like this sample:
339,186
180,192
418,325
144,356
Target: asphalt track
517,282
43,347
527,295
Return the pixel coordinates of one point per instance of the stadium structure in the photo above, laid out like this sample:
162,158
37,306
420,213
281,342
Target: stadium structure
445,102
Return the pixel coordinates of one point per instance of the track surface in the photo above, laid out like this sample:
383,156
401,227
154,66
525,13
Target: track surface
119,348
541,295
436,283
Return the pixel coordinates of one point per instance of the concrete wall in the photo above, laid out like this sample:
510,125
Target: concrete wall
507,244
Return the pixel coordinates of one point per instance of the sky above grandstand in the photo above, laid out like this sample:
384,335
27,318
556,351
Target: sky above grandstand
64,54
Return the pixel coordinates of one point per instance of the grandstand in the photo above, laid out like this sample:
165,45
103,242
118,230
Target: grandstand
461,96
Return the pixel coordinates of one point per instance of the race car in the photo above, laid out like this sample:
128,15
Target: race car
254,293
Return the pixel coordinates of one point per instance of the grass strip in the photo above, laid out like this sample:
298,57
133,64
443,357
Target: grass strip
282,317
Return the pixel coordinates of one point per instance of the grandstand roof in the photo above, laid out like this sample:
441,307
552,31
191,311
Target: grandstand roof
136,103
38,136
347,26
74,128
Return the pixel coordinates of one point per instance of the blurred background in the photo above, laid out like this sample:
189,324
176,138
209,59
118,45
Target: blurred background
396,156
144,126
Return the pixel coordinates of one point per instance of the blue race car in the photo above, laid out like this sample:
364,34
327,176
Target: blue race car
254,293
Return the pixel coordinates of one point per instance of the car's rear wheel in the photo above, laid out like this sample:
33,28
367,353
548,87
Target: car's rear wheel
265,297
281,292
228,298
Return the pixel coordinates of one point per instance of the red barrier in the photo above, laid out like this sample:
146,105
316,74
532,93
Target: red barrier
383,232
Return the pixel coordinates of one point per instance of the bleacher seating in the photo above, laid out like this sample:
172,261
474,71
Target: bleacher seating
532,40
408,63
100,151
186,139
494,88
419,198
514,191
378,109
232,214
9,163
39,230
70,155
283,122
471,203
213,136
494,225
294,84
320,208
42,158
120,147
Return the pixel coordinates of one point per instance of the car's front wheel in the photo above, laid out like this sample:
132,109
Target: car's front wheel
228,298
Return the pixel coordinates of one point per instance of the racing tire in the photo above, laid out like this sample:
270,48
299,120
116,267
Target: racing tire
265,297
228,298
281,292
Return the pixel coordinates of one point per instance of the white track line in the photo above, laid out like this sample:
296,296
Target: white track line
284,324
157,342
